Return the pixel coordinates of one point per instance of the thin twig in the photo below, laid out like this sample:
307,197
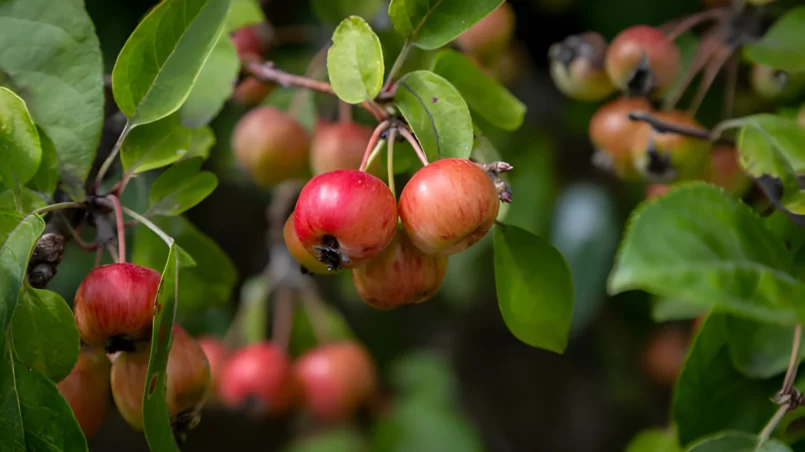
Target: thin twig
791,372
76,237
692,20
665,127
723,126
59,206
719,59
414,144
121,234
372,142
282,319
111,157
398,63
772,424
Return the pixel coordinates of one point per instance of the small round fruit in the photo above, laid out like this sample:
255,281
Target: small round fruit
307,261
115,304
86,389
251,42
341,145
725,171
400,275
611,133
217,356
271,146
670,157
643,61
656,190
775,85
577,67
259,378
664,355
448,206
345,217
488,38
188,382
251,92
336,380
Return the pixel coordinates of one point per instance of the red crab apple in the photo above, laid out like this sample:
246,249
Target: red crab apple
656,190
306,260
726,172
251,92
664,355
611,133
341,145
259,378
188,382
488,38
115,304
336,378
448,205
665,157
400,275
577,67
86,389
251,42
643,60
345,217
271,146
217,356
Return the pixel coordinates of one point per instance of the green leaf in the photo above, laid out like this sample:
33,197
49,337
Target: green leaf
710,395
181,187
485,96
201,142
417,424
670,309
209,282
35,415
161,60
51,57
355,61
46,178
437,113
334,11
783,45
430,24
156,418
534,288
244,13
155,145
734,441
31,200
44,333
20,149
654,440
698,244
214,85
760,350
338,439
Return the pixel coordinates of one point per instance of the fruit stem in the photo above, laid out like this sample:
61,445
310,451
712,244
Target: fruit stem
77,238
372,142
282,320
772,424
711,70
59,206
121,234
414,144
344,112
791,373
390,160
397,64
723,126
375,152
688,22
111,157
664,127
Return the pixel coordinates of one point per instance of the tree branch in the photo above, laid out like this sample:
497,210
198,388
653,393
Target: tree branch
666,127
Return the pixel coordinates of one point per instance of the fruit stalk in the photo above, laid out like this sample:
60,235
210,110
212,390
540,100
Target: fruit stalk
664,127
397,65
414,144
678,27
390,160
372,142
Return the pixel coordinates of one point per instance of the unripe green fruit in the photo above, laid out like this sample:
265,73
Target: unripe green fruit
775,85
577,67
271,146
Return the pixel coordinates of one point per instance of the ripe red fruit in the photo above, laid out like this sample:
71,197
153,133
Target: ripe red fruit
448,205
611,133
217,356
400,275
306,260
577,67
86,389
669,157
340,145
725,171
271,146
251,42
260,379
664,355
345,217
251,92
115,304
337,379
488,38
188,382
643,60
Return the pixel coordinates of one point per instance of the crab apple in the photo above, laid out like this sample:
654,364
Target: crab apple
115,304
341,145
577,67
251,92
400,275
260,379
251,42
345,217
776,85
664,355
217,356
666,157
271,146
448,206
656,190
306,260
611,133
726,172
188,382
643,60
336,379
488,38
86,389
